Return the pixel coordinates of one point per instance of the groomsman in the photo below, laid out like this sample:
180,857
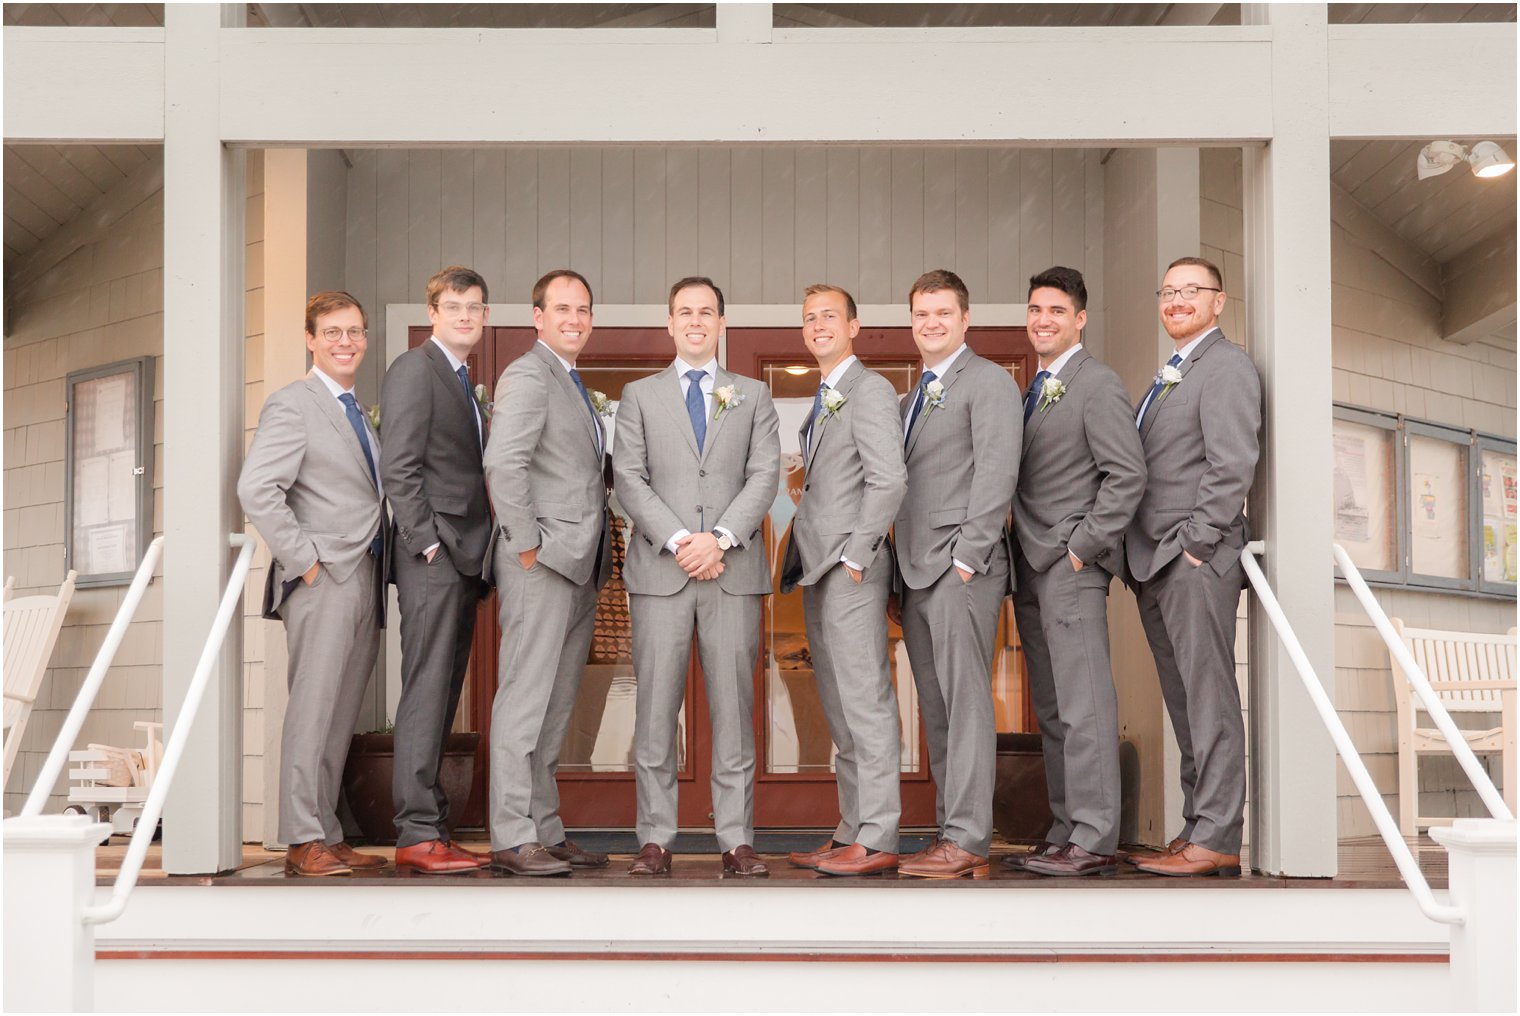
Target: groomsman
310,486
961,432
697,464
1198,424
544,469
1080,481
854,482
434,433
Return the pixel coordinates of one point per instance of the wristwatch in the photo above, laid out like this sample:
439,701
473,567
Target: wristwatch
724,542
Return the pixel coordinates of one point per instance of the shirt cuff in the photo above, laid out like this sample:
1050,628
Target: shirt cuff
734,540
1074,557
963,567
434,547
850,564
673,544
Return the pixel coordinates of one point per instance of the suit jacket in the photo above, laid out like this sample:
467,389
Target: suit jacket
307,489
1200,442
666,485
431,461
963,466
544,469
854,482
1082,472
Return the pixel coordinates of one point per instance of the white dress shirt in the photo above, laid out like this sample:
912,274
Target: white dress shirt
1060,361
1182,354
707,383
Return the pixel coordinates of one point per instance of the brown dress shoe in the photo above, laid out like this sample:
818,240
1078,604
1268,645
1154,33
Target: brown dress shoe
528,859
1072,860
1141,856
1016,862
946,860
856,860
314,859
576,857
483,856
810,858
434,857
919,855
1193,860
351,857
653,859
743,861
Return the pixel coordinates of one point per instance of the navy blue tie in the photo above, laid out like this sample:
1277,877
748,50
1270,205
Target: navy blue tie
695,408
356,421
1150,398
1032,397
575,376
813,420
918,403
469,397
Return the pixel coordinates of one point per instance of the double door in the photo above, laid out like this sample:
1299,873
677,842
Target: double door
795,781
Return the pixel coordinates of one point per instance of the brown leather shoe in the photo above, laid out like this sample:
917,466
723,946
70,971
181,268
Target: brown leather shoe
810,858
918,855
314,859
1016,862
434,857
1141,856
483,856
576,857
653,859
856,860
1193,860
1072,860
528,859
946,860
351,857
743,861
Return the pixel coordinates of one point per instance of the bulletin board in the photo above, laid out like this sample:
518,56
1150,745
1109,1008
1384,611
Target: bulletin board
108,471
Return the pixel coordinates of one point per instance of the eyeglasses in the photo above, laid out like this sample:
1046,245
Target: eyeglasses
1186,292
334,334
453,309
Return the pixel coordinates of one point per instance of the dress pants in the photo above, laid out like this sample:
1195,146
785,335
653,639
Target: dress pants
437,626
1063,626
546,628
847,638
951,630
728,638
1189,618
332,637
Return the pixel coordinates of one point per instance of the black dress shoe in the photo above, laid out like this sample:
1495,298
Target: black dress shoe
1070,861
653,859
1016,862
576,857
528,859
743,861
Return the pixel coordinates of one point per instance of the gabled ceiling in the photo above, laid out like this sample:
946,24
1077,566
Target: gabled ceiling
48,185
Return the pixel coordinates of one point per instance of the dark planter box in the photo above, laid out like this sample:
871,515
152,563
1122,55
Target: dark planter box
367,781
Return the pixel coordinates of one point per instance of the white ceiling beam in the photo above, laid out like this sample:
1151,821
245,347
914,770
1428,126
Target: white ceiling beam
84,84
1480,290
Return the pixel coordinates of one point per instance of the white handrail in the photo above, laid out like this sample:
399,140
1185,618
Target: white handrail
1403,858
137,850
1415,674
74,721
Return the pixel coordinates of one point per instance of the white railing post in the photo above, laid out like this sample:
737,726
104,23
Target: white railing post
49,880
1481,859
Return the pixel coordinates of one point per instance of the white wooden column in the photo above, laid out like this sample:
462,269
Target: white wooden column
1287,226
203,433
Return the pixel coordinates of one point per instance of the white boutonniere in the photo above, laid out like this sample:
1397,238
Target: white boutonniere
601,403
934,396
1051,393
483,402
1167,377
724,399
833,402
374,416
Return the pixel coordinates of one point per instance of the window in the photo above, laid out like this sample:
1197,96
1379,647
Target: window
1425,505
108,508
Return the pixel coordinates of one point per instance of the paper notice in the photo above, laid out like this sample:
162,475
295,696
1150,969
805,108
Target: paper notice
122,487
1352,518
91,483
110,412
108,550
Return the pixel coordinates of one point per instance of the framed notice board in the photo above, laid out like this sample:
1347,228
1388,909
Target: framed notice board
108,471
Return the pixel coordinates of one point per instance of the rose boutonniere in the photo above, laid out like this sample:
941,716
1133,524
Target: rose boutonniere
1051,392
601,403
1167,377
483,402
724,399
934,396
833,402
374,416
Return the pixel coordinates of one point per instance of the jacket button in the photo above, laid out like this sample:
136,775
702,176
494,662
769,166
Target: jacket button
805,486
701,472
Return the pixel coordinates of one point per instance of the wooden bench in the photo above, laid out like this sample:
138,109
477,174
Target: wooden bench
1470,673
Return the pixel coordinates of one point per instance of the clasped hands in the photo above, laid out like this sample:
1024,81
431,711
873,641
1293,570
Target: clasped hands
699,556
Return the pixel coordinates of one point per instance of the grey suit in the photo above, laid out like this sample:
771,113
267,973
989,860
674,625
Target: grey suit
963,466
667,484
1080,480
544,470
433,480
855,481
1200,442
308,489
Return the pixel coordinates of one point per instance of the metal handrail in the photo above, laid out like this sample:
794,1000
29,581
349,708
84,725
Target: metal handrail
142,836
1403,857
74,721
1415,675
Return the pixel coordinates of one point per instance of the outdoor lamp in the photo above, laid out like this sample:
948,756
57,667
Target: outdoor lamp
1486,159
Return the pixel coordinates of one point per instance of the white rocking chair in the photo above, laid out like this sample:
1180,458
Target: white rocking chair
32,624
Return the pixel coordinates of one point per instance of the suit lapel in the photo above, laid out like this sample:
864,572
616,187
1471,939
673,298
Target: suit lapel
1067,374
1187,366
675,405
948,381
333,410
567,388
464,405
720,415
846,383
